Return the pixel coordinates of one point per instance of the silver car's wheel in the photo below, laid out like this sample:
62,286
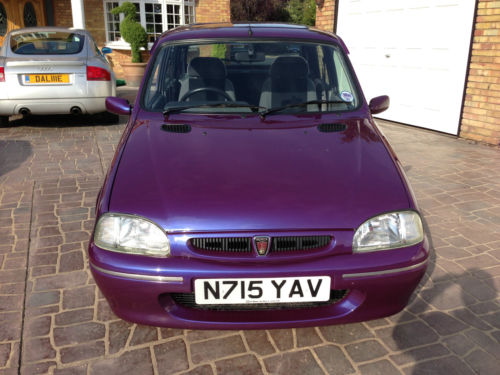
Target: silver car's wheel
4,121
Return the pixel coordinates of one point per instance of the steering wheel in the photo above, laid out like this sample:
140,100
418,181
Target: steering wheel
201,89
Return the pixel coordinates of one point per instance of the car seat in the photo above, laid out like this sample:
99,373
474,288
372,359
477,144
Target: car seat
288,83
206,72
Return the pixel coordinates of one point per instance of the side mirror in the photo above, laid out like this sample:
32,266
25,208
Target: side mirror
118,106
106,50
379,104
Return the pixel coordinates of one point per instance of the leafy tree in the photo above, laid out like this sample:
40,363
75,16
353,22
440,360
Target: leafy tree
132,31
302,11
259,10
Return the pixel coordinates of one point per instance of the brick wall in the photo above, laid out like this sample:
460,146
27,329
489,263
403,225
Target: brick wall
62,13
212,11
94,17
325,15
481,114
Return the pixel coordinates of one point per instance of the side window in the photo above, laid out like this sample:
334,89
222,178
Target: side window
344,84
97,50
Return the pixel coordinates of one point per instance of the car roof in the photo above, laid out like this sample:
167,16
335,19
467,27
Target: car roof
248,31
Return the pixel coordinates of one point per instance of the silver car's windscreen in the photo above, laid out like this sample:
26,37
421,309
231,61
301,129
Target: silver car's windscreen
250,73
47,43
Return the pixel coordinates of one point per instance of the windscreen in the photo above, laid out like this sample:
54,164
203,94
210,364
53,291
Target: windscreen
46,43
259,74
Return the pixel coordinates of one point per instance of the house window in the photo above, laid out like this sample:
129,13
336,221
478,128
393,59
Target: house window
156,16
29,15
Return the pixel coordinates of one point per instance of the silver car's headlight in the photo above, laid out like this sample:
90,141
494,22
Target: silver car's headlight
388,231
131,234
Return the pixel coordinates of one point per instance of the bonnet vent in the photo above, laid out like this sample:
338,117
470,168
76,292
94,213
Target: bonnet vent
176,128
332,128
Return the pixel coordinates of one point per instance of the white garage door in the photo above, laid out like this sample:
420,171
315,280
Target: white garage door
415,51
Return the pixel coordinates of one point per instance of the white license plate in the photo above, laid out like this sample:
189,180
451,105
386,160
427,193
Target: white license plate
269,290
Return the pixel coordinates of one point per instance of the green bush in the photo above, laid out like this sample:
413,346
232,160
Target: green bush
132,31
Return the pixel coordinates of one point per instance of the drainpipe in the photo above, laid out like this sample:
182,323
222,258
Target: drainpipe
78,14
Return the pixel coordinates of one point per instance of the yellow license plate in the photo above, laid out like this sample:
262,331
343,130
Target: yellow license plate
46,79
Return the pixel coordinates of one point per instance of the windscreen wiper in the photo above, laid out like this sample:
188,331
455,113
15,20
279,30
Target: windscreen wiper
302,104
211,105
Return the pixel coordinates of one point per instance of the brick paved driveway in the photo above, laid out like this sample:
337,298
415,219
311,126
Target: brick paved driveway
54,320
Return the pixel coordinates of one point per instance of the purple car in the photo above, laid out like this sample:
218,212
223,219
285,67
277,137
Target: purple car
252,188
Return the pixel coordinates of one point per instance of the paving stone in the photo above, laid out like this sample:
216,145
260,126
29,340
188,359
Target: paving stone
37,368
74,316
447,365
39,326
365,350
407,335
200,370
129,363
62,281
493,319
199,335
78,333
344,334
243,365
171,357
5,350
382,367
334,360
283,338
443,323
259,342
119,332
216,348
144,334
43,298
38,349
419,354
71,261
483,363
73,370
82,352
307,337
294,363
484,341
104,312
78,297
166,333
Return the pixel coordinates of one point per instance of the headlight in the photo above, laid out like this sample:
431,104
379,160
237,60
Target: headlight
388,231
132,235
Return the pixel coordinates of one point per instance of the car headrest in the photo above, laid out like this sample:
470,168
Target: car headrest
207,67
289,67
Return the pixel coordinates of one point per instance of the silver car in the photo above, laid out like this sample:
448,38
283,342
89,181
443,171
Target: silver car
53,70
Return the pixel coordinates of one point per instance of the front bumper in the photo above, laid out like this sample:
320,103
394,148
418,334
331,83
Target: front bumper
379,284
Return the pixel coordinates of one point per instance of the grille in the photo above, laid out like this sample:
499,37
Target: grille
299,243
229,244
188,300
331,128
244,244
176,128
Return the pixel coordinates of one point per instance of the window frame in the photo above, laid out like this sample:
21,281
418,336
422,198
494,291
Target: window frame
121,44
